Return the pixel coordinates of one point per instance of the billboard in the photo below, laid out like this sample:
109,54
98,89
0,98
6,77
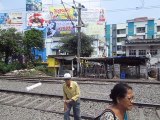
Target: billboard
94,29
19,27
58,28
33,5
93,15
4,18
11,20
59,13
37,19
15,18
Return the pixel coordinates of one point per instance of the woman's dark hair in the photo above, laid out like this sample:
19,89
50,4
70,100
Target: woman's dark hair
119,91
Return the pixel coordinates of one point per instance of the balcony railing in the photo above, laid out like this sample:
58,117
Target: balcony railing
142,41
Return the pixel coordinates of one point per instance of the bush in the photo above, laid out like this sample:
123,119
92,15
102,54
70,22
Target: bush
44,69
4,68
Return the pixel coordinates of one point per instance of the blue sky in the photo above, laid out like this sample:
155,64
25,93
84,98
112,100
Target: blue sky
117,11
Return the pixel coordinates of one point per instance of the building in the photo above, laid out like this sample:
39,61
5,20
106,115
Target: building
136,37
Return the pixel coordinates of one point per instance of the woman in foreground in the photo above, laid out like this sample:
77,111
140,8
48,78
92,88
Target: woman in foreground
122,97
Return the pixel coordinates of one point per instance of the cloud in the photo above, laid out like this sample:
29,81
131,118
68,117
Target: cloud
1,7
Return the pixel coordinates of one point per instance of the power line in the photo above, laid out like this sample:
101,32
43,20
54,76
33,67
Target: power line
67,13
130,9
94,1
111,10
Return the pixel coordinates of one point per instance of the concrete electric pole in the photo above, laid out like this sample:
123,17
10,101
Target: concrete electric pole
79,8
79,37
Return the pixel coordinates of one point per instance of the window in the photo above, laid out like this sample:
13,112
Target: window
120,39
140,29
153,52
158,28
119,47
132,52
142,53
121,31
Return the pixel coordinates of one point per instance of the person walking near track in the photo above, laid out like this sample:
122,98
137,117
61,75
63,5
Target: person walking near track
71,96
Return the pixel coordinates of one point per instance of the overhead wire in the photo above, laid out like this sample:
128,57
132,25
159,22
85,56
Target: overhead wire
67,13
130,9
111,10
94,1
75,6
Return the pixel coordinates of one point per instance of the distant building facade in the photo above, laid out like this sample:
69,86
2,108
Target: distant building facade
136,37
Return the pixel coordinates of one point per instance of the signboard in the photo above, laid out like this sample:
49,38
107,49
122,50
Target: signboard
37,19
15,18
4,18
93,15
59,13
57,28
94,29
19,27
33,5
11,20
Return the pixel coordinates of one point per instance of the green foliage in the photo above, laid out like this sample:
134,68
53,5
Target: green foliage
10,42
44,69
4,68
32,39
70,45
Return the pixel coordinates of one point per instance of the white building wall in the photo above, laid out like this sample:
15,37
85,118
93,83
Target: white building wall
141,47
137,35
51,44
121,35
157,23
48,46
140,24
122,26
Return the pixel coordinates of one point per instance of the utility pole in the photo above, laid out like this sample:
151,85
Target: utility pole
79,38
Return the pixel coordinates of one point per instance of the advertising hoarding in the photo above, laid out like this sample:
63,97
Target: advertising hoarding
96,15
4,18
59,13
37,19
15,18
11,20
33,5
94,29
58,28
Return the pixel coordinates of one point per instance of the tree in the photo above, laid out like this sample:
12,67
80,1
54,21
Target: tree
9,39
32,39
70,45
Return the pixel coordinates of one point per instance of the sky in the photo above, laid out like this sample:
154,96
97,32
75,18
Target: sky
117,11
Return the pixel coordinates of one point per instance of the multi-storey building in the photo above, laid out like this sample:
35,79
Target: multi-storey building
136,37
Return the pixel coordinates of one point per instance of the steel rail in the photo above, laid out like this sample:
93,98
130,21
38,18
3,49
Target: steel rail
50,79
82,98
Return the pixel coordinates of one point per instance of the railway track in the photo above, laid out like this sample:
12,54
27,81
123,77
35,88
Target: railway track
80,80
91,105
54,104
145,92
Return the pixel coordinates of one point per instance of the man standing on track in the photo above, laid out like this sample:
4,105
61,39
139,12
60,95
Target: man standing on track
71,93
